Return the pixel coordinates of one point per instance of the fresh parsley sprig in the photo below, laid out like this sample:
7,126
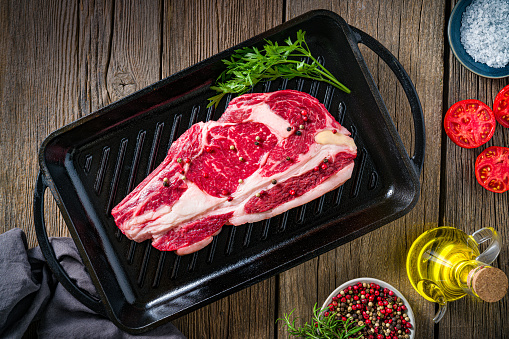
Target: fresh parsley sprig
322,327
249,65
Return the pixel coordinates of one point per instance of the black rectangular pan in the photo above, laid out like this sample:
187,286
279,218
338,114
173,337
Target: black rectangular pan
94,162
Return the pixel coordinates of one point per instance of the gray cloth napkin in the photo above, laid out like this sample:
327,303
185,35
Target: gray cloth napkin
29,292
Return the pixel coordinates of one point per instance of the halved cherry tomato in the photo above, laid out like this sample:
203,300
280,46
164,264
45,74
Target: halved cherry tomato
501,107
492,169
469,123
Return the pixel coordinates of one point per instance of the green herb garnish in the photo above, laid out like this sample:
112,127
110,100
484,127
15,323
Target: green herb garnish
249,65
322,327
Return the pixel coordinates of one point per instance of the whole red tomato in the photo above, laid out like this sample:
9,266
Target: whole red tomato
469,123
501,107
492,169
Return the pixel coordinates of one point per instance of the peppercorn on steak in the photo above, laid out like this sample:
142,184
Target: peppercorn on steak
268,153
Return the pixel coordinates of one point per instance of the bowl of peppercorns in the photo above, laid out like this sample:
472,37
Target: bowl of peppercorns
379,307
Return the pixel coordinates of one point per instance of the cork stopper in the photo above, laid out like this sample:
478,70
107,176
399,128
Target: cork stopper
489,283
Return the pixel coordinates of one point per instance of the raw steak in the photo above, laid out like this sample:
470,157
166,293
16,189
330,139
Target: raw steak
267,153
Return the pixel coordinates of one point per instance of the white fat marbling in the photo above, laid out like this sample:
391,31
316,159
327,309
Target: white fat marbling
263,114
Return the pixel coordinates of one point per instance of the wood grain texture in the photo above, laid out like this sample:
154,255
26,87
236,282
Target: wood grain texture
38,88
61,60
415,37
468,206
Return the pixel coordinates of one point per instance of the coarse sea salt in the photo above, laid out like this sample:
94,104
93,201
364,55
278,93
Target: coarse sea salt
484,32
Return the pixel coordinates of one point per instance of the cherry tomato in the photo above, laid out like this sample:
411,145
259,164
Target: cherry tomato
492,169
469,123
501,107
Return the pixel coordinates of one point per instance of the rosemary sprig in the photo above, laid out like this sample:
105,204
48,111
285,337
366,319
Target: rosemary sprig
249,65
322,327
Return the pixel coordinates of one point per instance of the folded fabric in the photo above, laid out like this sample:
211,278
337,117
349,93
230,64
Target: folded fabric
29,292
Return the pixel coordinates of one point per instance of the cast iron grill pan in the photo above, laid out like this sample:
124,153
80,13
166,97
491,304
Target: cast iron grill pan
93,163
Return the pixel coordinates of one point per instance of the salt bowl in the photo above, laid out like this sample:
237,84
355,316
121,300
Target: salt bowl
478,14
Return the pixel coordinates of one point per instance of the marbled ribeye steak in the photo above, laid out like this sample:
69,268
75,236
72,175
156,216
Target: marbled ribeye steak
267,153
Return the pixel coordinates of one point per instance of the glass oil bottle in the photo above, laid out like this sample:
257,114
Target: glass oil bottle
445,264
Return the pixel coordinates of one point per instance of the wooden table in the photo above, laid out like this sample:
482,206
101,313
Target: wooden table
63,59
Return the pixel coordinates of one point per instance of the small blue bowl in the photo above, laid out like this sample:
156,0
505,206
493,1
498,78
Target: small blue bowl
453,32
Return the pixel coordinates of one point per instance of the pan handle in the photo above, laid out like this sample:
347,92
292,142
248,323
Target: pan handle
47,250
411,94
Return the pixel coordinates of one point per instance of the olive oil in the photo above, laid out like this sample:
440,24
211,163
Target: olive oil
439,261
444,264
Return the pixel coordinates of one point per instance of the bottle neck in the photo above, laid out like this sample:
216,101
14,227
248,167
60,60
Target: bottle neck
465,272
481,280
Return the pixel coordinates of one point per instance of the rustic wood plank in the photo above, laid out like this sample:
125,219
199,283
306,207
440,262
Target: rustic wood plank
193,31
412,31
468,206
135,47
38,94
61,63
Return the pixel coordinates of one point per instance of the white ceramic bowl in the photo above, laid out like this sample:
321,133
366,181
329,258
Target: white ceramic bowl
382,284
